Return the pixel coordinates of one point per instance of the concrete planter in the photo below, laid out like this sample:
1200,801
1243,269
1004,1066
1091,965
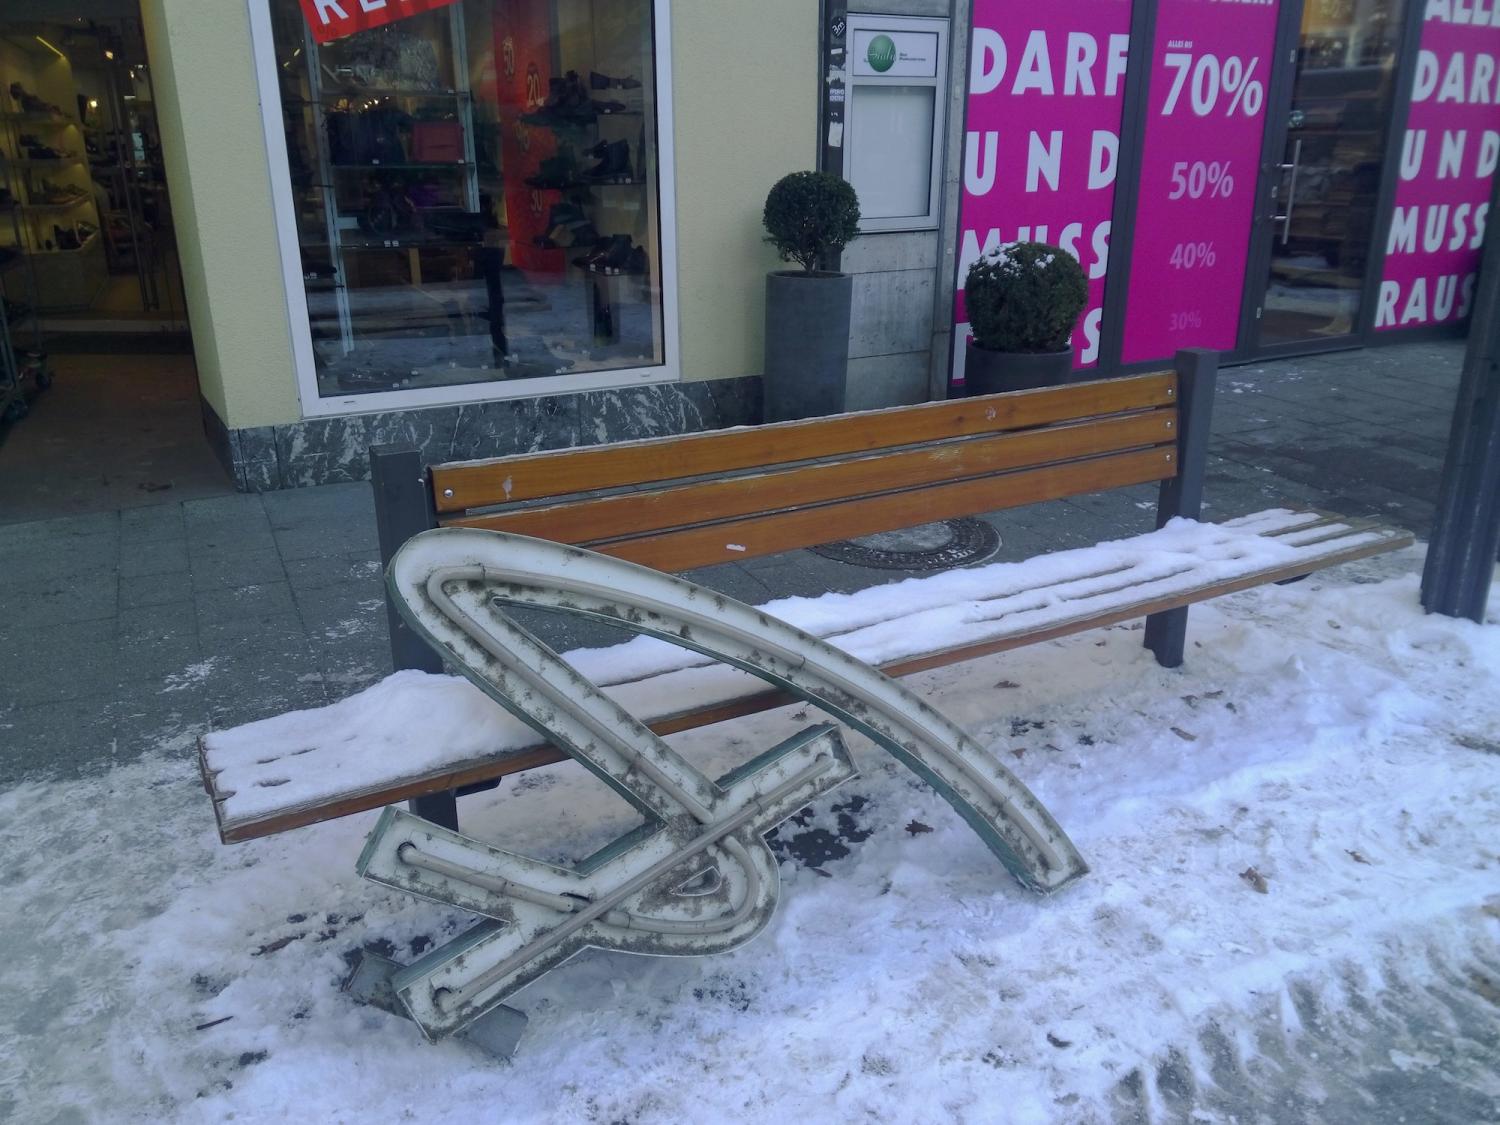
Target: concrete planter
807,344
988,373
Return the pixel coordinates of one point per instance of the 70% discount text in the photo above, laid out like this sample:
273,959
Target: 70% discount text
1207,82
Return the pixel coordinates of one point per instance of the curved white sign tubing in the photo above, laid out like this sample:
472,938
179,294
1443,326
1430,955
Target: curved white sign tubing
697,878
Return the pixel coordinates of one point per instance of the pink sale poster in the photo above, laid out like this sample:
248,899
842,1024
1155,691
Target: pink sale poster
1046,93
1448,157
1205,120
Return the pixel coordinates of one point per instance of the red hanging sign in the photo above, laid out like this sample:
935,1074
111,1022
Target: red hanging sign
334,19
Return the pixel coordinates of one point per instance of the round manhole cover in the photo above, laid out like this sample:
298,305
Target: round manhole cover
928,546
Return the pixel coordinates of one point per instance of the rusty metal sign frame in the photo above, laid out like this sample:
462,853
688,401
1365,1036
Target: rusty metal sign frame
697,877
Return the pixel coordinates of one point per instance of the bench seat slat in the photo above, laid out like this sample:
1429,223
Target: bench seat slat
971,613
459,486
758,536
637,513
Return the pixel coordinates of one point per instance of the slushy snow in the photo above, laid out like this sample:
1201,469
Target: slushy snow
1326,736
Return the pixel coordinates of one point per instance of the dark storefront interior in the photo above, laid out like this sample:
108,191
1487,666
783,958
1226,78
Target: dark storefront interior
99,386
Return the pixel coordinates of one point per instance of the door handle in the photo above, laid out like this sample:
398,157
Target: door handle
1291,192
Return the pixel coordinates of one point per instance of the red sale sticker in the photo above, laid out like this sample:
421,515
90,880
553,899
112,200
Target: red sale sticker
1448,158
334,19
1210,66
1046,94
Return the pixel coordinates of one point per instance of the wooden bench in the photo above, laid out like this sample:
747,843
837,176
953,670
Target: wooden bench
681,503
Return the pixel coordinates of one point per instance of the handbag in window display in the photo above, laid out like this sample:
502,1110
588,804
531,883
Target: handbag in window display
475,189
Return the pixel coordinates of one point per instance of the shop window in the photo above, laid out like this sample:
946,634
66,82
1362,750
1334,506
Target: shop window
475,195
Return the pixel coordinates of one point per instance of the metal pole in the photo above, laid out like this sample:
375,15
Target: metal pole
1466,533
1182,495
403,508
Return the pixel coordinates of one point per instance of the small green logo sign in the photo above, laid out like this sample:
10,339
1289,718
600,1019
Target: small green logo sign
882,53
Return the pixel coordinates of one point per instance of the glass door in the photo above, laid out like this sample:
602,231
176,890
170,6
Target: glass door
1323,193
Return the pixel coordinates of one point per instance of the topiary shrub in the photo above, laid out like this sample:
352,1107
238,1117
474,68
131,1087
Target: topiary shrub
810,216
1025,297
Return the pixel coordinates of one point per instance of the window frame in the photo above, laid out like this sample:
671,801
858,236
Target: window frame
299,326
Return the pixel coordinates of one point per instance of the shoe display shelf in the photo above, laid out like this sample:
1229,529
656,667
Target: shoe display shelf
45,176
576,117
363,152
23,365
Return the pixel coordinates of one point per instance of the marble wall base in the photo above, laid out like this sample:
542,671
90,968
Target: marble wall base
334,450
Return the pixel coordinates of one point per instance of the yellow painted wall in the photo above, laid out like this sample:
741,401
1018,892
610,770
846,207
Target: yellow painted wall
214,146
745,80
745,85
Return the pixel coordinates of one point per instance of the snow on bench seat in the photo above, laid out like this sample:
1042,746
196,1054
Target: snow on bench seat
415,733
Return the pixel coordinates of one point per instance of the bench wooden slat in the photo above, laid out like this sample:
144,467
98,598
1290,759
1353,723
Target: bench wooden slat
680,506
540,475
758,536
1359,540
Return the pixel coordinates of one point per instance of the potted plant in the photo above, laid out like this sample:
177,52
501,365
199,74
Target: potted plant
809,217
1024,300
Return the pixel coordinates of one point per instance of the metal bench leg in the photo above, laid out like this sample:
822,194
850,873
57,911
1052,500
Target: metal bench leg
1182,495
1166,636
403,508
440,808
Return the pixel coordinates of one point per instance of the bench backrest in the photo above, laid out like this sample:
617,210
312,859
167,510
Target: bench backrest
684,502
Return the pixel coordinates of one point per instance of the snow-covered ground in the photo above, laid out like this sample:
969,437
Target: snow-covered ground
1293,914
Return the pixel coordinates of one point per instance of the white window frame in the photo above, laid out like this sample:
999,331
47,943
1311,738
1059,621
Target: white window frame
939,83
315,405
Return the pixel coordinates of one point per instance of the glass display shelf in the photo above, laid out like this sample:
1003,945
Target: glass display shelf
358,93
66,205
55,119
43,162
458,165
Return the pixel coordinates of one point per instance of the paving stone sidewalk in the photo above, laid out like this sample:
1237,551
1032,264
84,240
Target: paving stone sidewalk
126,631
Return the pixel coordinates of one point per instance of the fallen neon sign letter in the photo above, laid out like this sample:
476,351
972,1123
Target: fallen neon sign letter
697,878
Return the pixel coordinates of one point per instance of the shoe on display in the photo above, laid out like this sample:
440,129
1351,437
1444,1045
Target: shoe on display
637,262
566,214
555,171
611,256
567,103
617,261
597,254
29,102
577,96
607,108
605,82
48,193
568,236
35,150
615,167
